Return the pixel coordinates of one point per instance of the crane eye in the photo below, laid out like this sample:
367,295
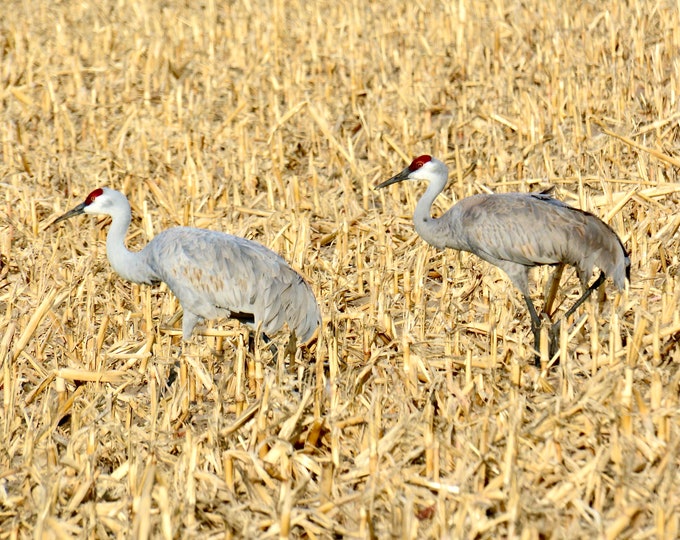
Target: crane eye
419,162
92,196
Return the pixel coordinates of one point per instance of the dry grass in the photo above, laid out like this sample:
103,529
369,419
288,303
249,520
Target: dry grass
418,413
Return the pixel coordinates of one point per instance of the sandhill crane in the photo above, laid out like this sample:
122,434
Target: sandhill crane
517,231
213,274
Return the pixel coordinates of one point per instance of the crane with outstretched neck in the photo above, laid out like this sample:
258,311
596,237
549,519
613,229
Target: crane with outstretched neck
517,231
213,274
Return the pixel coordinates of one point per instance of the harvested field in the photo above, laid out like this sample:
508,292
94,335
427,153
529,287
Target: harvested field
418,412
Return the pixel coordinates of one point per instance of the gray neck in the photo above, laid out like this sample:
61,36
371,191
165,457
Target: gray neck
127,264
432,230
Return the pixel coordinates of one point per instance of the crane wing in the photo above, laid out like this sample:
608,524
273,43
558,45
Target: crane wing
516,229
216,274
520,228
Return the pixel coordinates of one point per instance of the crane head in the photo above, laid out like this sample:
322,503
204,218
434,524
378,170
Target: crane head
96,202
422,168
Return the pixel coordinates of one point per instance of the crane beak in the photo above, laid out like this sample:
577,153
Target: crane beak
403,175
80,209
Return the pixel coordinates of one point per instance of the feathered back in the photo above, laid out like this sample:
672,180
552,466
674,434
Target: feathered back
516,231
215,274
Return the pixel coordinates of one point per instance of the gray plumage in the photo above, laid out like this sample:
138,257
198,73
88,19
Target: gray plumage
517,231
213,274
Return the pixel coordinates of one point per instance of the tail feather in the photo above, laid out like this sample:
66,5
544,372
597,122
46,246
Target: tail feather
293,302
612,257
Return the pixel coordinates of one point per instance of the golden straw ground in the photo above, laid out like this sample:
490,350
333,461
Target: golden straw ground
418,413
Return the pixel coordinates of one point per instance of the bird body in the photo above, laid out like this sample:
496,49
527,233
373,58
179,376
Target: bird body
517,231
498,228
212,274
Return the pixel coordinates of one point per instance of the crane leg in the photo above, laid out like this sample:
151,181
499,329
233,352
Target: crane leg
175,369
535,328
599,281
555,330
552,289
272,347
291,347
172,374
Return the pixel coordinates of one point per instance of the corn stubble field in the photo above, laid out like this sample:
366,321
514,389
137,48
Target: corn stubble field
418,411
